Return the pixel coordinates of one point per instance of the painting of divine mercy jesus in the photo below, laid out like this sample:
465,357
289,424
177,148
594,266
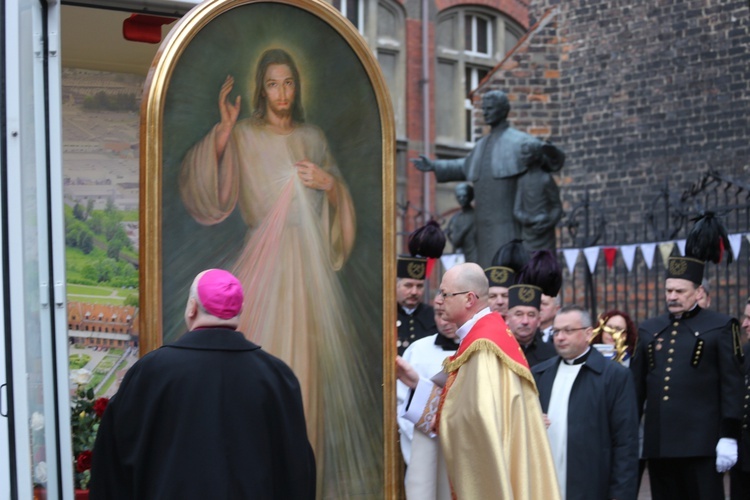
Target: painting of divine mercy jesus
272,168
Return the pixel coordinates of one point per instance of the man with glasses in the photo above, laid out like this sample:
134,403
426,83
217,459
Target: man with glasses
591,414
484,405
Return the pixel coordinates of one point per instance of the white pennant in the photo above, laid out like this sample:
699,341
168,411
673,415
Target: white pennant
628,255
592,255
451,259
648,250
735,241
571,256
681,246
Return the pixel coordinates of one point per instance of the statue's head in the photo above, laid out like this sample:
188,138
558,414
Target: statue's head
464,194
495,107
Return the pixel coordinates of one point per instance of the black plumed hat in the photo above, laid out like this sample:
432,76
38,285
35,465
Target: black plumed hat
542,270
708,240
427,241
513,255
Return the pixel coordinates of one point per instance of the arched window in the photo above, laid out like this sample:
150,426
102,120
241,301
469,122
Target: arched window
470,41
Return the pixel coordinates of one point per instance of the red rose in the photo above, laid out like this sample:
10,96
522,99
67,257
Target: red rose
83,462
100,405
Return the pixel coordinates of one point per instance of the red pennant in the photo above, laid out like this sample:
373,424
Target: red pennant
609,256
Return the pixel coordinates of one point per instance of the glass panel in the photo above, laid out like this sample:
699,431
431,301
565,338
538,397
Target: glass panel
388,24
482,35
446,33
511,39
35,324
352,12
469,33
445,97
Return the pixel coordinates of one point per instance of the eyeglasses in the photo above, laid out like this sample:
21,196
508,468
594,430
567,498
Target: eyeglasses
567,331
445,295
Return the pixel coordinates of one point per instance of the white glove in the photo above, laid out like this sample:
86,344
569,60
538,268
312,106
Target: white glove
726,454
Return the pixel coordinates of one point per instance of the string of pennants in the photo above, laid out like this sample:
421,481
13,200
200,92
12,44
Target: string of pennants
648,250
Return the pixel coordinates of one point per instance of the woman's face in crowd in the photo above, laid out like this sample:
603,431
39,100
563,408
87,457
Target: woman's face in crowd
614,323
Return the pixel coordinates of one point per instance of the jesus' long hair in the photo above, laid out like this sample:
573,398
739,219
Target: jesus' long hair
269,57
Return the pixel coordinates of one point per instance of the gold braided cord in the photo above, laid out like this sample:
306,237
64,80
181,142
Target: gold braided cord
487,345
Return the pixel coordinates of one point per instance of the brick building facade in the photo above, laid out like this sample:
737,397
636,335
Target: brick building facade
637,93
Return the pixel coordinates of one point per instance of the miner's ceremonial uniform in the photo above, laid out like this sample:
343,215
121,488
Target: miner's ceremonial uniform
688,371
412,327
739,483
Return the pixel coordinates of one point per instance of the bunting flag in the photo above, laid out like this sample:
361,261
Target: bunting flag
665,249
648,249
571,256
609,256
449,260
681,246
628,255
592,255
735,241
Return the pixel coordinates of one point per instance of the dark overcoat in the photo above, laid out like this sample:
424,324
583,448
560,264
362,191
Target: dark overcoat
210,416
602,428
688,371
538,350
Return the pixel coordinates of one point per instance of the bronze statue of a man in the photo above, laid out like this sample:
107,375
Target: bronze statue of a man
494,167
461,230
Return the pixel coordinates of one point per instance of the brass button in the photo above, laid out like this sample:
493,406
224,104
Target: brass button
666,387
672,341
669,369
669,360
666,379
666,398
411,328
676,323
674,333
671,351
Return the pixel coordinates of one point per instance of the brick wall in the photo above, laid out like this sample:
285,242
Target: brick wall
636,92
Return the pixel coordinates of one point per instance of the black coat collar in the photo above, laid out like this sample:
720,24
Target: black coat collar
214,339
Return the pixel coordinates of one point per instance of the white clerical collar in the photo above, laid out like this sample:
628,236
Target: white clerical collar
579,360
409,311
466,327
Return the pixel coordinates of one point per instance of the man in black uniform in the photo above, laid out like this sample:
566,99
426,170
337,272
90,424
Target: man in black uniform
523,320
688,370
540,275
739,476
415,318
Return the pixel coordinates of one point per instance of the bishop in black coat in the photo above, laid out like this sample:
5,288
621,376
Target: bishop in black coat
209,416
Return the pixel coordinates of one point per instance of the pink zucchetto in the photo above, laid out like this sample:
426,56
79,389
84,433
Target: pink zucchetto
220,293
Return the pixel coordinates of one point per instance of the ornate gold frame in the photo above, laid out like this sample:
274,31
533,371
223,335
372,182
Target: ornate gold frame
152,111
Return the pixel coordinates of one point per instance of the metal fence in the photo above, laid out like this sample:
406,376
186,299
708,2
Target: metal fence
639,291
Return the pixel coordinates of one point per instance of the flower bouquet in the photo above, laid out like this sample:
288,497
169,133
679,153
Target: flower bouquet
86,414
